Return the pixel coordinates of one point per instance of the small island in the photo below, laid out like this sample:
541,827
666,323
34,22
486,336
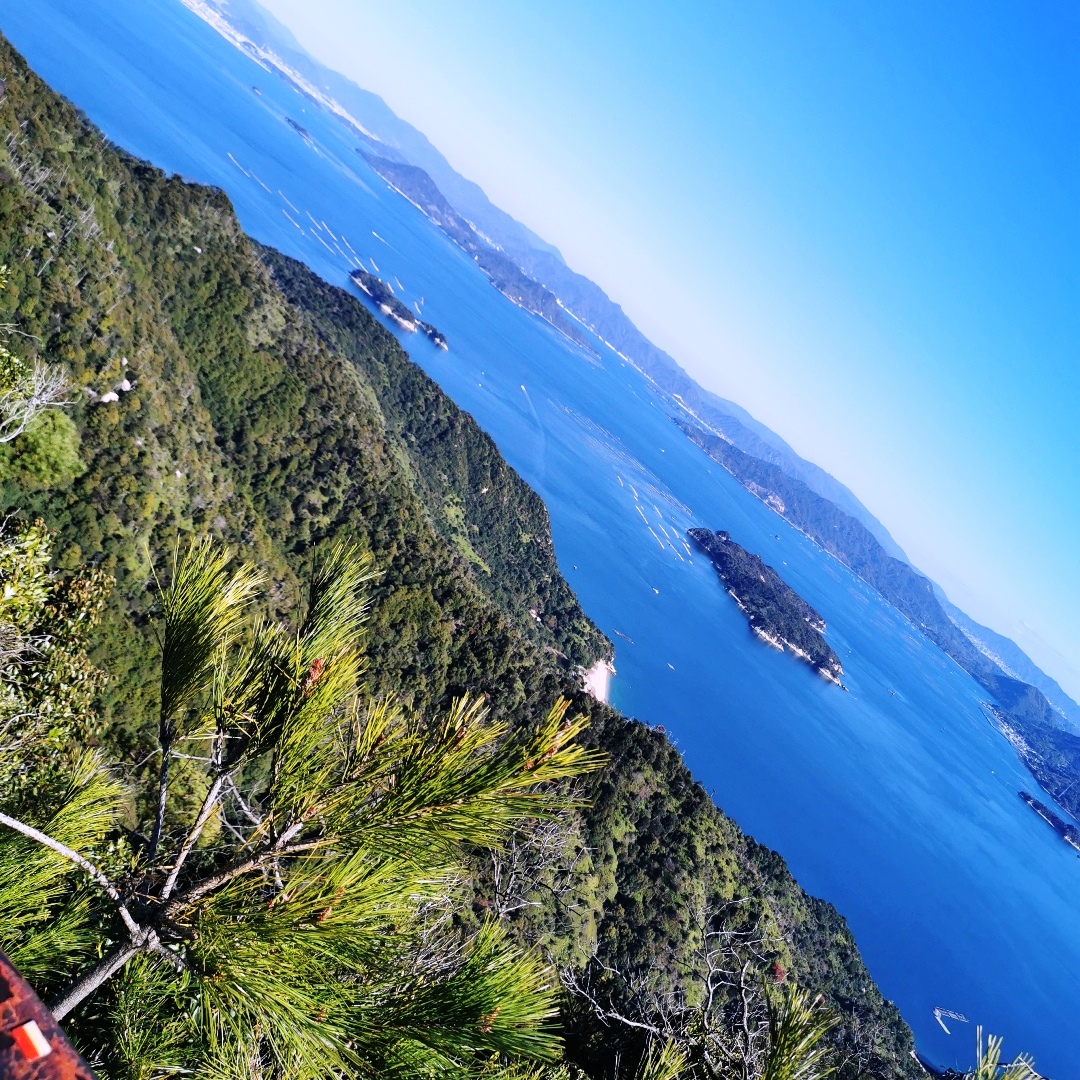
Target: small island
1068,832
383,296
301,131
776,613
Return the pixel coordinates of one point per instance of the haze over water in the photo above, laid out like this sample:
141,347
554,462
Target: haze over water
896,801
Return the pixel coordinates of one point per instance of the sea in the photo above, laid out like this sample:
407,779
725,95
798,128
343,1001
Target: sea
896,801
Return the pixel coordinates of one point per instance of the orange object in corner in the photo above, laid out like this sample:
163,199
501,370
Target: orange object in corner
32,1046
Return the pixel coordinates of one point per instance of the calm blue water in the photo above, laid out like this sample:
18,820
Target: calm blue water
896,801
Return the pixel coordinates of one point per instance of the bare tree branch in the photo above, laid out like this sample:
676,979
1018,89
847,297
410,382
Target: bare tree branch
28,399
246,810
134,929
542,859
718,1013
209,805
163,794
97,976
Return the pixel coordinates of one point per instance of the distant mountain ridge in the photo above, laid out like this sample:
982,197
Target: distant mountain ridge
1015,662
533,273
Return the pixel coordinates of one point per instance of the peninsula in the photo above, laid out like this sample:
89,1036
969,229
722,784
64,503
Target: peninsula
384,299
776,613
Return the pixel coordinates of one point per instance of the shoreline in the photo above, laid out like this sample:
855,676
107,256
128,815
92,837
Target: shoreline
597,680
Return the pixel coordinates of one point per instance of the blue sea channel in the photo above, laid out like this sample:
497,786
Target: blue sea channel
896,801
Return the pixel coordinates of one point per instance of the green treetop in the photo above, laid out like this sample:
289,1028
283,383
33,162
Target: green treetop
282,900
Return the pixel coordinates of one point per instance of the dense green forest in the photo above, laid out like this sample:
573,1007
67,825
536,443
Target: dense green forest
218,389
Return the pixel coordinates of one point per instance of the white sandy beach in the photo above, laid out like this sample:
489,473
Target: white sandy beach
598,678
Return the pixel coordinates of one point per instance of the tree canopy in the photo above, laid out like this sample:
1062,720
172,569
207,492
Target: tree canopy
282,900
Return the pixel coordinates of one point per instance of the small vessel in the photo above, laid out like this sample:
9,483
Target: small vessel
940,1012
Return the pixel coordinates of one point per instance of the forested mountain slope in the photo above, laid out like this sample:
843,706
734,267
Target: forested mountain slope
532,271
239,419
219,387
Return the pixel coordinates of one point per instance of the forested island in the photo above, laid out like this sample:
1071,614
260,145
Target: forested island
1067,831
776,613
270,666
416,186
383,297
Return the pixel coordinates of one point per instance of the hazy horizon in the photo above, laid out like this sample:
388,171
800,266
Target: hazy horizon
856,224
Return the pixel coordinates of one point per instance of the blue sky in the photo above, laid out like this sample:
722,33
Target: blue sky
860,221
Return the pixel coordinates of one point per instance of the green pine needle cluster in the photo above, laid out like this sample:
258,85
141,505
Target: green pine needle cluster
797,1024
299,918
989,1065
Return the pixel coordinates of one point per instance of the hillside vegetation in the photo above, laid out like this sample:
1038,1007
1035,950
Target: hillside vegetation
221,390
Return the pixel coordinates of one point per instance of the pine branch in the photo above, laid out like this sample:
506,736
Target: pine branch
163,795
103,971
204,610
209,805
134,929
319,965
281,846
141,939
97,976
